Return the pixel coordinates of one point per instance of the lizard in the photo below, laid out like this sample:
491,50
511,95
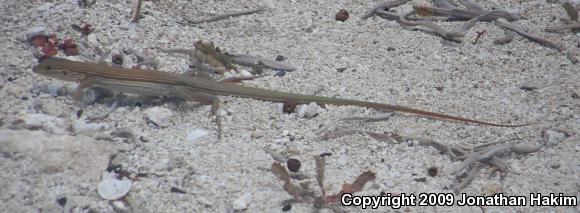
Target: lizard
155,83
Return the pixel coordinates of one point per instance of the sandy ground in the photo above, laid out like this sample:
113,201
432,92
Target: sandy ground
384,62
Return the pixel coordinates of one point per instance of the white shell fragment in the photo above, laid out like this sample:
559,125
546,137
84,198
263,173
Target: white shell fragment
33,32
194,135
309,111
113,189
48,123
242,202
82,127
552,138
92,39
159,116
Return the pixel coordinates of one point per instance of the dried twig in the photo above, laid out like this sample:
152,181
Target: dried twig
142,60
452,36
471,156
277,156
466,14
137,12
443,4
250,60
206,57
385,6
542,41
507,38
470,176
329,129
227,15
572,26
320,163
472,5
301,193
481,155
479,35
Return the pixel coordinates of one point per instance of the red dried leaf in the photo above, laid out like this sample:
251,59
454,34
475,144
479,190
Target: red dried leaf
356,186
87,29
361,180
49,51
68,43
423,10
347,188
289,107
69,47
71,51
52,40
320,164
280,172
42,58
39,40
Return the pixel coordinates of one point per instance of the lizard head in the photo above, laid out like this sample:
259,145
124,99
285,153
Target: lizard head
56,68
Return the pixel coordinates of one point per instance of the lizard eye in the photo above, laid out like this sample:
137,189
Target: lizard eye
64,73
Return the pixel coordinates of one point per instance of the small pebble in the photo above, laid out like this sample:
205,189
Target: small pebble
257,134
552,137
117,59
121,206
293,165
61,201
280,73
432,171
194,135
54,88
341,15
245,73
309,111
33,32
288,107
242,202
286,208
159,116
89,129
92,39
113,189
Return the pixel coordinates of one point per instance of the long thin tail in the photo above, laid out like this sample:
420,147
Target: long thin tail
277,96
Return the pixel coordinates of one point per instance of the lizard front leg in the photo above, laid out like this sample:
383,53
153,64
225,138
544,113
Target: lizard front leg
85,83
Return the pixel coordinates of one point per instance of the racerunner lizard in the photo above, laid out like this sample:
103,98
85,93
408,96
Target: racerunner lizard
154,83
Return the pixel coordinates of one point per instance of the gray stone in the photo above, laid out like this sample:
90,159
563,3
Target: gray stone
78,156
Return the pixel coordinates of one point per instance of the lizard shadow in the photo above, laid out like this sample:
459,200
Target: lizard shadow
97,95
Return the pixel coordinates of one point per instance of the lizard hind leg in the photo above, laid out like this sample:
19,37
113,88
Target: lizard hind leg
202,98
